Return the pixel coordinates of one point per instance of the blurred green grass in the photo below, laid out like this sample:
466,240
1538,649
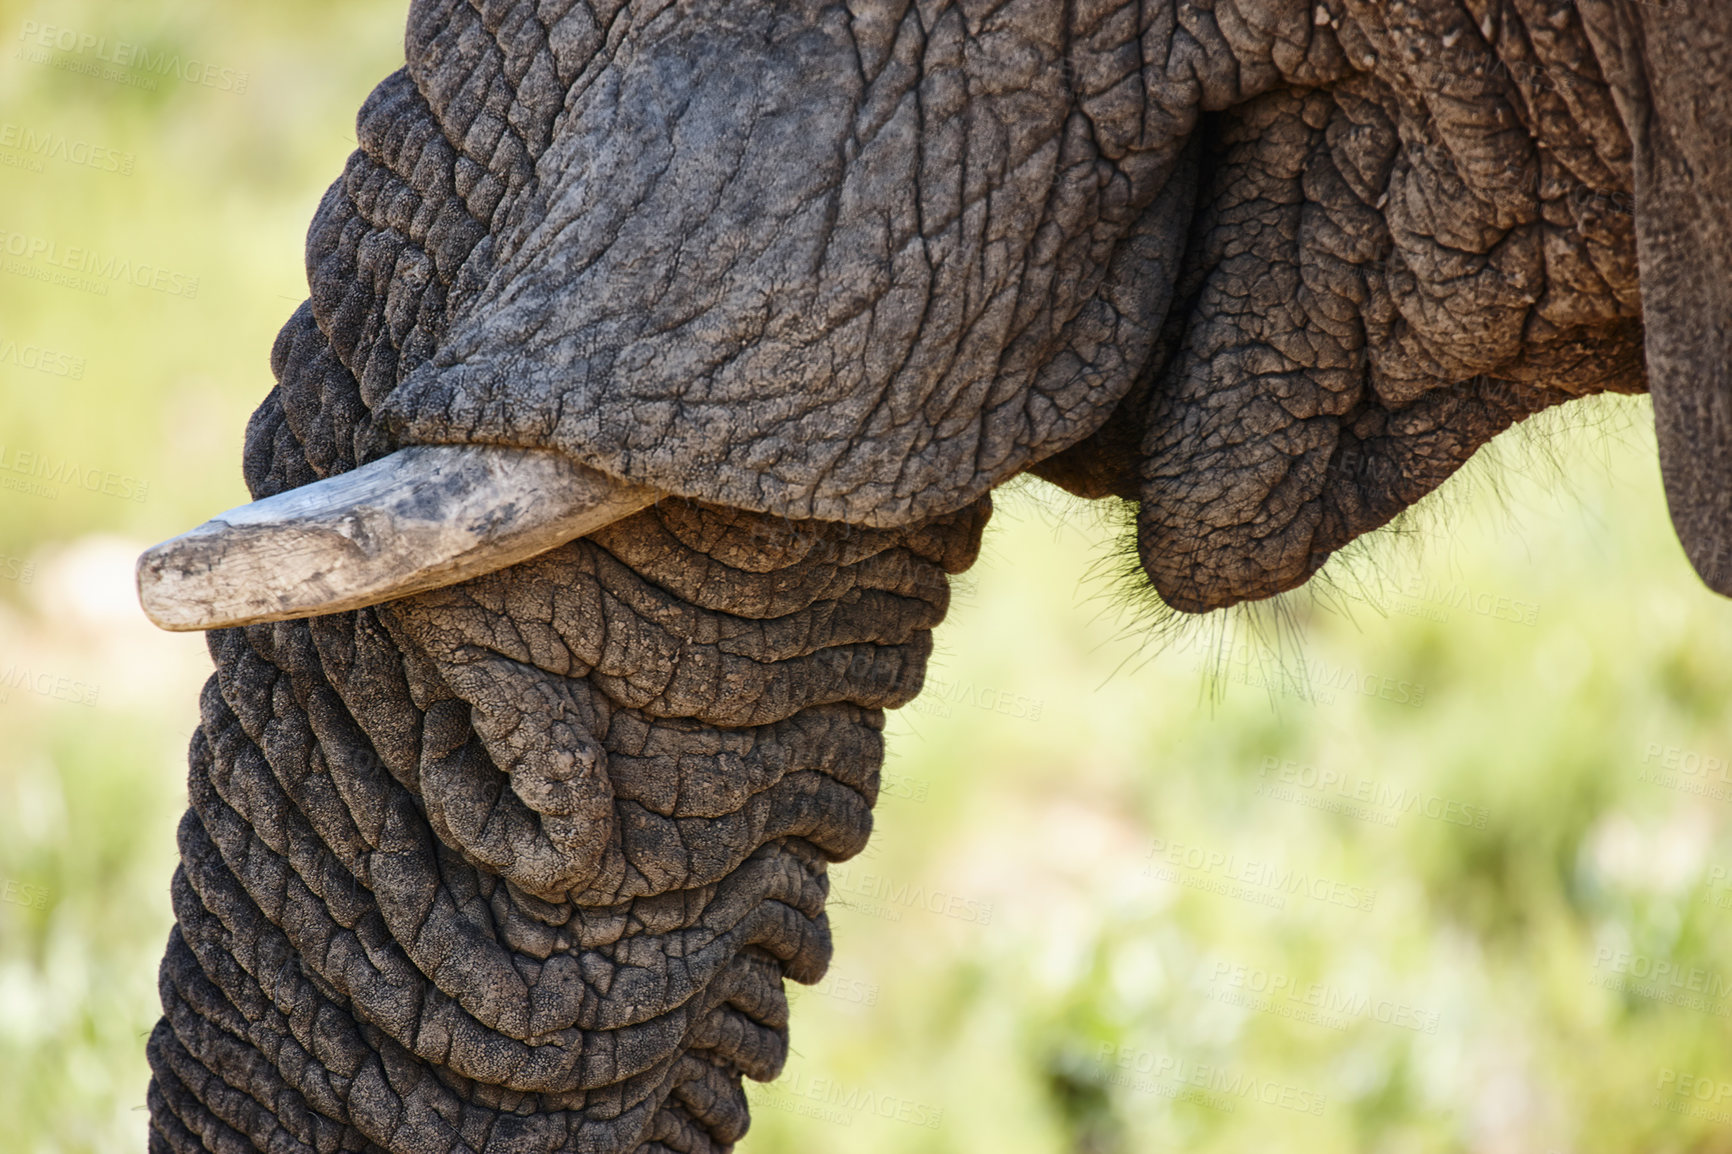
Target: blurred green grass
1438,893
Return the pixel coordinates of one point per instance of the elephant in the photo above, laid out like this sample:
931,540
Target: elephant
659,360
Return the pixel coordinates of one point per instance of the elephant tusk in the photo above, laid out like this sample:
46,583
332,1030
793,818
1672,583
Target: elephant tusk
421,518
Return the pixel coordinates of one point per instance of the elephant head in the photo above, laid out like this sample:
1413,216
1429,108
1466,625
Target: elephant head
658,363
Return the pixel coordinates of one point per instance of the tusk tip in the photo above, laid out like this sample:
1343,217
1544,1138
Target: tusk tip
160,577
422,518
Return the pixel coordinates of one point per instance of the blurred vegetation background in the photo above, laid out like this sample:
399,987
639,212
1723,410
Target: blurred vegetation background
1433,856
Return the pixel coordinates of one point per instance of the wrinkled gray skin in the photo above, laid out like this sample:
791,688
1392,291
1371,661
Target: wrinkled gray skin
521,864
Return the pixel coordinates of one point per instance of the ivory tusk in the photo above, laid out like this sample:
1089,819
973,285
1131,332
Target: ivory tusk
424,517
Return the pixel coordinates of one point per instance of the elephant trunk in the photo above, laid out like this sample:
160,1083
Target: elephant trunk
530,856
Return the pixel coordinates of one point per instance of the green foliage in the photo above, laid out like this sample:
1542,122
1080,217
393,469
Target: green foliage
1026,958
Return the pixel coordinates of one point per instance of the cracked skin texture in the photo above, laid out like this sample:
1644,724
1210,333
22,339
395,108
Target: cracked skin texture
522,864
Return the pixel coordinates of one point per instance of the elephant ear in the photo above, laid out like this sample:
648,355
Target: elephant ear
1678,94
